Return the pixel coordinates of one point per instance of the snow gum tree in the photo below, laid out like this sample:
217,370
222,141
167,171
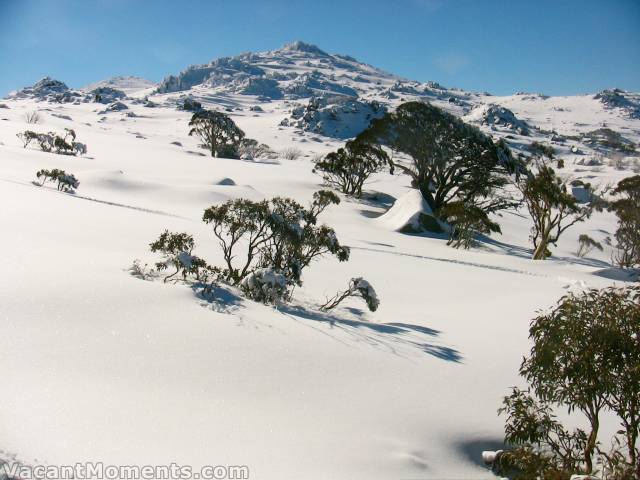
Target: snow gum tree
552,207
627,209
585,358
279,236
176,249
451,161
218,132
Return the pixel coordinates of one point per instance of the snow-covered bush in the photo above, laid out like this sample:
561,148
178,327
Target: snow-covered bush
349,167
265,285
279,234
358,287
67,182
63,145
176,250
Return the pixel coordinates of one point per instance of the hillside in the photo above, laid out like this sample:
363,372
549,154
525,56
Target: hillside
103,366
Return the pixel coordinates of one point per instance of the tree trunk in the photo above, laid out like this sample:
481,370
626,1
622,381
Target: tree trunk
591,444
540,251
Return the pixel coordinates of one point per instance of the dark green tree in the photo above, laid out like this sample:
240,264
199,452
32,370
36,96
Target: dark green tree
450,161
349,167
627,209
218,132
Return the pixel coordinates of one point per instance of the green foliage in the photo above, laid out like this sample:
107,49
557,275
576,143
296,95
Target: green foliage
552,207
176,249
465,222
542,150
349,167
451,161
218,133
278,234
66,182
586,244
627,209
585,357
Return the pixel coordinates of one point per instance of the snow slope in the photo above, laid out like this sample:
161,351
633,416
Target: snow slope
101,366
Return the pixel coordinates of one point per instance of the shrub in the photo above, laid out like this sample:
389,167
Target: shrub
50,141
627,209
358,287
542,150
250,149
218,132
466,221
32,117
265,285
66,182
279,234
586,244
176,250
27,137
349,167
291,153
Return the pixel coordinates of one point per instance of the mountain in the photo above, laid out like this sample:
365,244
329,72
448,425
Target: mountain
127,84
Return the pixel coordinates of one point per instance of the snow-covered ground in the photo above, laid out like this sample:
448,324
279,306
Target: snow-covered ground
98,365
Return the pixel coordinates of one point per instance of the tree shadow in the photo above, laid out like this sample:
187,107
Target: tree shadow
619,274
401,339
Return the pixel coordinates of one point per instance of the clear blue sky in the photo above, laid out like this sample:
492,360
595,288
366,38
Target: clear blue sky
501,46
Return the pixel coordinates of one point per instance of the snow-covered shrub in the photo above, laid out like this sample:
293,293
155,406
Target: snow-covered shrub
279,234
176,250
291,153
79,148
67,182
349,167
27,137
358,287
265,285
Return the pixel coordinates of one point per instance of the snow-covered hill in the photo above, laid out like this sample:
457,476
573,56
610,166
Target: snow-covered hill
102,366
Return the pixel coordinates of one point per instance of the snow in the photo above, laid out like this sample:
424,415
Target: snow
102,366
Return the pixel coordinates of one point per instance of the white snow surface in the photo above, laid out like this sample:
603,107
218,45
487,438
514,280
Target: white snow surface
101,366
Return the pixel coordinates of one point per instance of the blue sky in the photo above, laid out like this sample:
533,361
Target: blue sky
502,46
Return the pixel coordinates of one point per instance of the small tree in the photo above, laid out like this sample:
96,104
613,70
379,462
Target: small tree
627,209
358,287
552,208
349,167
466,221
176,249
279,234
218,132
586,244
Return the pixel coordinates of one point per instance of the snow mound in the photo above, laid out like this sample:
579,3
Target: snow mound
410,214
128,84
